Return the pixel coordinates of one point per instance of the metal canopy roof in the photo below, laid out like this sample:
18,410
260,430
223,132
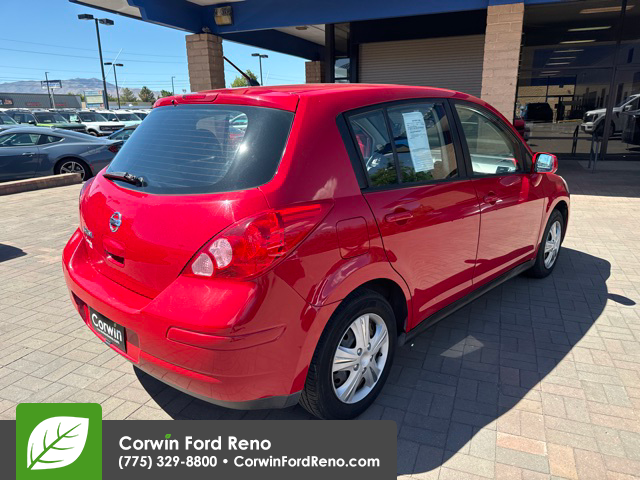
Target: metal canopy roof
296,28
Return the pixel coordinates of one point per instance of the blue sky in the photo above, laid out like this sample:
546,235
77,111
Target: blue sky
151,53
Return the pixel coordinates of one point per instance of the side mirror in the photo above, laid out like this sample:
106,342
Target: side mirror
545,163
31,122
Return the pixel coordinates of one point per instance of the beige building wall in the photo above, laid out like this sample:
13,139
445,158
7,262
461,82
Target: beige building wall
501,56
206,65
314,71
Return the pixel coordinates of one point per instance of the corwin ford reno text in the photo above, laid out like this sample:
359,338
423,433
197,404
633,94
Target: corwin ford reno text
287,262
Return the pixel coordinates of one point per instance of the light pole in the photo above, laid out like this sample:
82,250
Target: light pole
260,56
173,89
103,21
115,75
51,98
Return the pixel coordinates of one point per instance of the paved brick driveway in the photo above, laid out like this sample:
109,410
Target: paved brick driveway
538,379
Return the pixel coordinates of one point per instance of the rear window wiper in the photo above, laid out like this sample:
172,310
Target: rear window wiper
125,177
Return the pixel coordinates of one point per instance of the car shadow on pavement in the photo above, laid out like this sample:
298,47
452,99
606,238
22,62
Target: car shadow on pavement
7,252
462,375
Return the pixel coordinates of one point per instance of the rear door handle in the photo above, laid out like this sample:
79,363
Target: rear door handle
491,198
28,153
398,217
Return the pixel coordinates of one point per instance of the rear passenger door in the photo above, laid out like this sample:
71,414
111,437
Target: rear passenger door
426,210
511,207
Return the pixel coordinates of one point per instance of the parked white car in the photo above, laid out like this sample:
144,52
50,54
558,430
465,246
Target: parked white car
594,118
97,124
141,113
125,117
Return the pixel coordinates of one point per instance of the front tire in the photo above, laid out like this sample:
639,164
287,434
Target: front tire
549,248
352,359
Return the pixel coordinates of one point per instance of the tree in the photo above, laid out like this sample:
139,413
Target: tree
165,93
146,95
240,81
127,95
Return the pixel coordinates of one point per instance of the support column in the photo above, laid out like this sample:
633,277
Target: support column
314,71
206,65
502,56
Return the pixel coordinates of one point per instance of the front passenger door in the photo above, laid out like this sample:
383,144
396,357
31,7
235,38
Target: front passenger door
510,208
19,155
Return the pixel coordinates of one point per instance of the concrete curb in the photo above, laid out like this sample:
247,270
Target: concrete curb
38,183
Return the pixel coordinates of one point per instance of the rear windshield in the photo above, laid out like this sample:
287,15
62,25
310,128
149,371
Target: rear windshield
187,149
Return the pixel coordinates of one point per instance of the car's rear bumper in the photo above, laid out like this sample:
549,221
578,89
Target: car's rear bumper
236,344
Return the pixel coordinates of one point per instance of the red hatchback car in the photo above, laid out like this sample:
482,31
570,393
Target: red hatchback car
287,265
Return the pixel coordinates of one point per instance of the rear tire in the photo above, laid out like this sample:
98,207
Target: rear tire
348,370
549,248
73,165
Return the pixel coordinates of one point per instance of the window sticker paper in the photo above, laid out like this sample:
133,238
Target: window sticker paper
419,147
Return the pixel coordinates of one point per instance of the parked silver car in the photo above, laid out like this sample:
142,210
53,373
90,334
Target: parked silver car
27,152
7,122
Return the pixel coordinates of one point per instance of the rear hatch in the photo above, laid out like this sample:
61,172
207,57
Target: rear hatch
196,178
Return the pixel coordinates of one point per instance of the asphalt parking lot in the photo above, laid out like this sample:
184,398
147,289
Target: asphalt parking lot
537,379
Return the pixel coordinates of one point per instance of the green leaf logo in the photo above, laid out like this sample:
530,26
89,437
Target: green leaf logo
56,442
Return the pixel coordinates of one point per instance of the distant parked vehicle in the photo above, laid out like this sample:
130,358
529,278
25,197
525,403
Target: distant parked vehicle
123,134
522,128
7,122
538,112
142,113
45,118
127,118
27,152
97,124
593,120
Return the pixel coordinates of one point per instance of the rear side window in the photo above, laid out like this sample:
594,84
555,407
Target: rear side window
46,139
189,149
372,138
423,142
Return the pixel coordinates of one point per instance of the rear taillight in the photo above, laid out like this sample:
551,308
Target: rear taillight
114,148
252,245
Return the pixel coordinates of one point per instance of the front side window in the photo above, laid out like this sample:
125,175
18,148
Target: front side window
372,138
19,140
492,150
423,142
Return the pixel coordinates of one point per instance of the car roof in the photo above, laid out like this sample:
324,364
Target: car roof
286,97
38,130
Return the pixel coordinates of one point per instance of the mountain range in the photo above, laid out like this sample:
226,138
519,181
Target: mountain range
72,85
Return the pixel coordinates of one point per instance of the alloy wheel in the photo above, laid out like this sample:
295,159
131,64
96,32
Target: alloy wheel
360,358
73,167
552,244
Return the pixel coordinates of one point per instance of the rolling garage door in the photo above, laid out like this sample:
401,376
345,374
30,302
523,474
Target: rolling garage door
447,62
